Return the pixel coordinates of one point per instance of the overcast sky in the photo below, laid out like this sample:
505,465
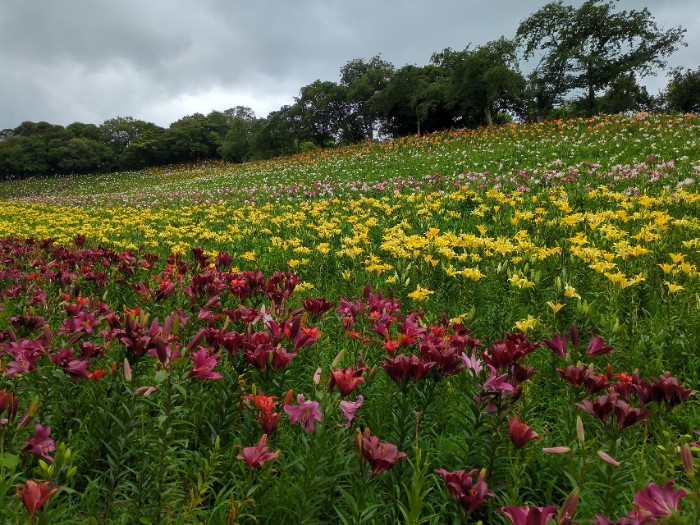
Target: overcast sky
159,60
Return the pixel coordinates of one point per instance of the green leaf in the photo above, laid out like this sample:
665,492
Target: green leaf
9,461
161,375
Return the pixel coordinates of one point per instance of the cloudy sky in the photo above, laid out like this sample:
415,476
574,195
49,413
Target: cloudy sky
159,60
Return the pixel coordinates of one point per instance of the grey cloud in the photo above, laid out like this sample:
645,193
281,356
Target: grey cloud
90,60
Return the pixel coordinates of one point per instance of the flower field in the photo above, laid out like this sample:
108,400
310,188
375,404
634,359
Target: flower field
497,325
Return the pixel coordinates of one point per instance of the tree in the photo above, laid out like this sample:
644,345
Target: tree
81,155
485,81
590,47
275,135
133,142
34,148
321,113
365,81
683,90
237,145
193,137
625,94
416,100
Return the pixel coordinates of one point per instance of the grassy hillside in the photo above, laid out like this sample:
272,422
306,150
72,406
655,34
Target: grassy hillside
545,273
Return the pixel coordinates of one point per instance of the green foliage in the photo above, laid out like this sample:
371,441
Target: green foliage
683,90
589,48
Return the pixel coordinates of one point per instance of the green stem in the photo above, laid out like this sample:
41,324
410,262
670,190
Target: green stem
164,445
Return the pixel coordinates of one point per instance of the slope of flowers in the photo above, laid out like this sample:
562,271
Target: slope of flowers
497,325
138,392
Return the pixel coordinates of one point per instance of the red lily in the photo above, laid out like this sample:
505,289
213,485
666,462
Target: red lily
346,379
268,419
34,494
471,495
380,456
520,433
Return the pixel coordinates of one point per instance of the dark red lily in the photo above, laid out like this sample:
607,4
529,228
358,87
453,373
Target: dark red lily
556,344
380,456
596,346
402,367
520,433
463,489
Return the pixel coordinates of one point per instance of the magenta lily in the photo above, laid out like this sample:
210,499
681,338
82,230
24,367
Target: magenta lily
659,502
41,444
529,515
203,365
305,412
258,455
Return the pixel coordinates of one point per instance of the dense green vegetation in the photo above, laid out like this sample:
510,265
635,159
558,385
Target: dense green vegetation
587,60
514,308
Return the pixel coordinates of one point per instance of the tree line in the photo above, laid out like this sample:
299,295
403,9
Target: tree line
582,61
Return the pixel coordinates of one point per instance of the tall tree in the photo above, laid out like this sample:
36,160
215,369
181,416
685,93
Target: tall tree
683,90
416,100
485,80
321,113
193,137
590,47
275,135
365,81
237,145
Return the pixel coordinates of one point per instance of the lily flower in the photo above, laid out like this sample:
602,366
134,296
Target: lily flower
349,408
596,346
529,515
659,502
203,365
41,444
556,344
346,379
520,433
463,489
35,494
305,412
258,455
380,456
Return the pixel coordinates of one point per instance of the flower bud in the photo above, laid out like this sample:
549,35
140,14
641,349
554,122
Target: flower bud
556,450
575,338
358,442
372,373
580,432
337,359
127,371
687,460
608,459
568,508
